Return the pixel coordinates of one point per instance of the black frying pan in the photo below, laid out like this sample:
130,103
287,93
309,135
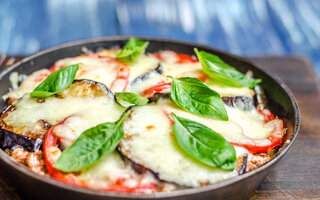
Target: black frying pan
281,102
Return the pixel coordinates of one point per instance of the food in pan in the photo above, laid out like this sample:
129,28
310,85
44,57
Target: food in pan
126,120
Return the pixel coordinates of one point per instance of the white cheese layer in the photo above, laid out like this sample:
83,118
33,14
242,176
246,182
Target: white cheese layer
149,141
28,111
225,90
142,65
103,70
110,170
30,83
182,70
243,127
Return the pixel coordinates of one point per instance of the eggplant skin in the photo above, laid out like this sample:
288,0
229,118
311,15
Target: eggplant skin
11,141
155,98
86,88
32,142
158,70
241,102
139,168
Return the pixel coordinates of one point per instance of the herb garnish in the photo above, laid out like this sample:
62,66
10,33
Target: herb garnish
194,96
204,144
92,145
132,50
217,69
131,98
56,82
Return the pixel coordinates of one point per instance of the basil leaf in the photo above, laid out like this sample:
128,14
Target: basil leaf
217,69
204,144
56,82
92,145
131,98
132,49
194,96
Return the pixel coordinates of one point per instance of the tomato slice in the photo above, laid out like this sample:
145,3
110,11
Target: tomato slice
140,188
268,116
55,68
181,58
120,83
96,55
275,138
50,152
184,58
156,89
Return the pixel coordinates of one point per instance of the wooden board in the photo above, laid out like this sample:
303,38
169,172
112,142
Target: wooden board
297,175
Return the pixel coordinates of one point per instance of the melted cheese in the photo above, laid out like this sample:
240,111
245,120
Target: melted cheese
142,65
244,127
141,85
181,70
29,83
104,70
97,69
110,169
149,141
28,111
225,90
149,138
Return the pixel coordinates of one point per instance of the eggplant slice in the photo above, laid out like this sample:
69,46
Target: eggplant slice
158,70
11,141
150,143
21,127
241,102
149,140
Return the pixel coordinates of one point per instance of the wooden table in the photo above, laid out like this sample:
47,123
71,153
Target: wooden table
297,175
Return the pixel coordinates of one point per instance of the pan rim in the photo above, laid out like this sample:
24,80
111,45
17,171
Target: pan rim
5,158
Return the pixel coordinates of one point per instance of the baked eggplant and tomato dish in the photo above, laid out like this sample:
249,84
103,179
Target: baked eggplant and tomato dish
125,120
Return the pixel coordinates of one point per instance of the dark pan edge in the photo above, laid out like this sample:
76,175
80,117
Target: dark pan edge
216,186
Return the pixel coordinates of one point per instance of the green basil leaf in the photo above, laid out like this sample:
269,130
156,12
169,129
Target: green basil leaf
194,96
217,69
56,82
204,144
92,145
131,98
132,50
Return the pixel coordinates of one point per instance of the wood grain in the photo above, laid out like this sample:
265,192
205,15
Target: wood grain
297,175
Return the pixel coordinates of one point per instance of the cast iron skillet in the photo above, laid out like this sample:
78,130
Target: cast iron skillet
281,101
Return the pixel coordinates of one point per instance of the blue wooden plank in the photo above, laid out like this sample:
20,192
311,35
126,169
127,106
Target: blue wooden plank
246,28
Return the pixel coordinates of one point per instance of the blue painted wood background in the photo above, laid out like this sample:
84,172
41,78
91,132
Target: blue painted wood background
243,27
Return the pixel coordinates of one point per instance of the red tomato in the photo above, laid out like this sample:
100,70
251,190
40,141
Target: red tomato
181,58
55,68
50,148
156,89
122,79
275,138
